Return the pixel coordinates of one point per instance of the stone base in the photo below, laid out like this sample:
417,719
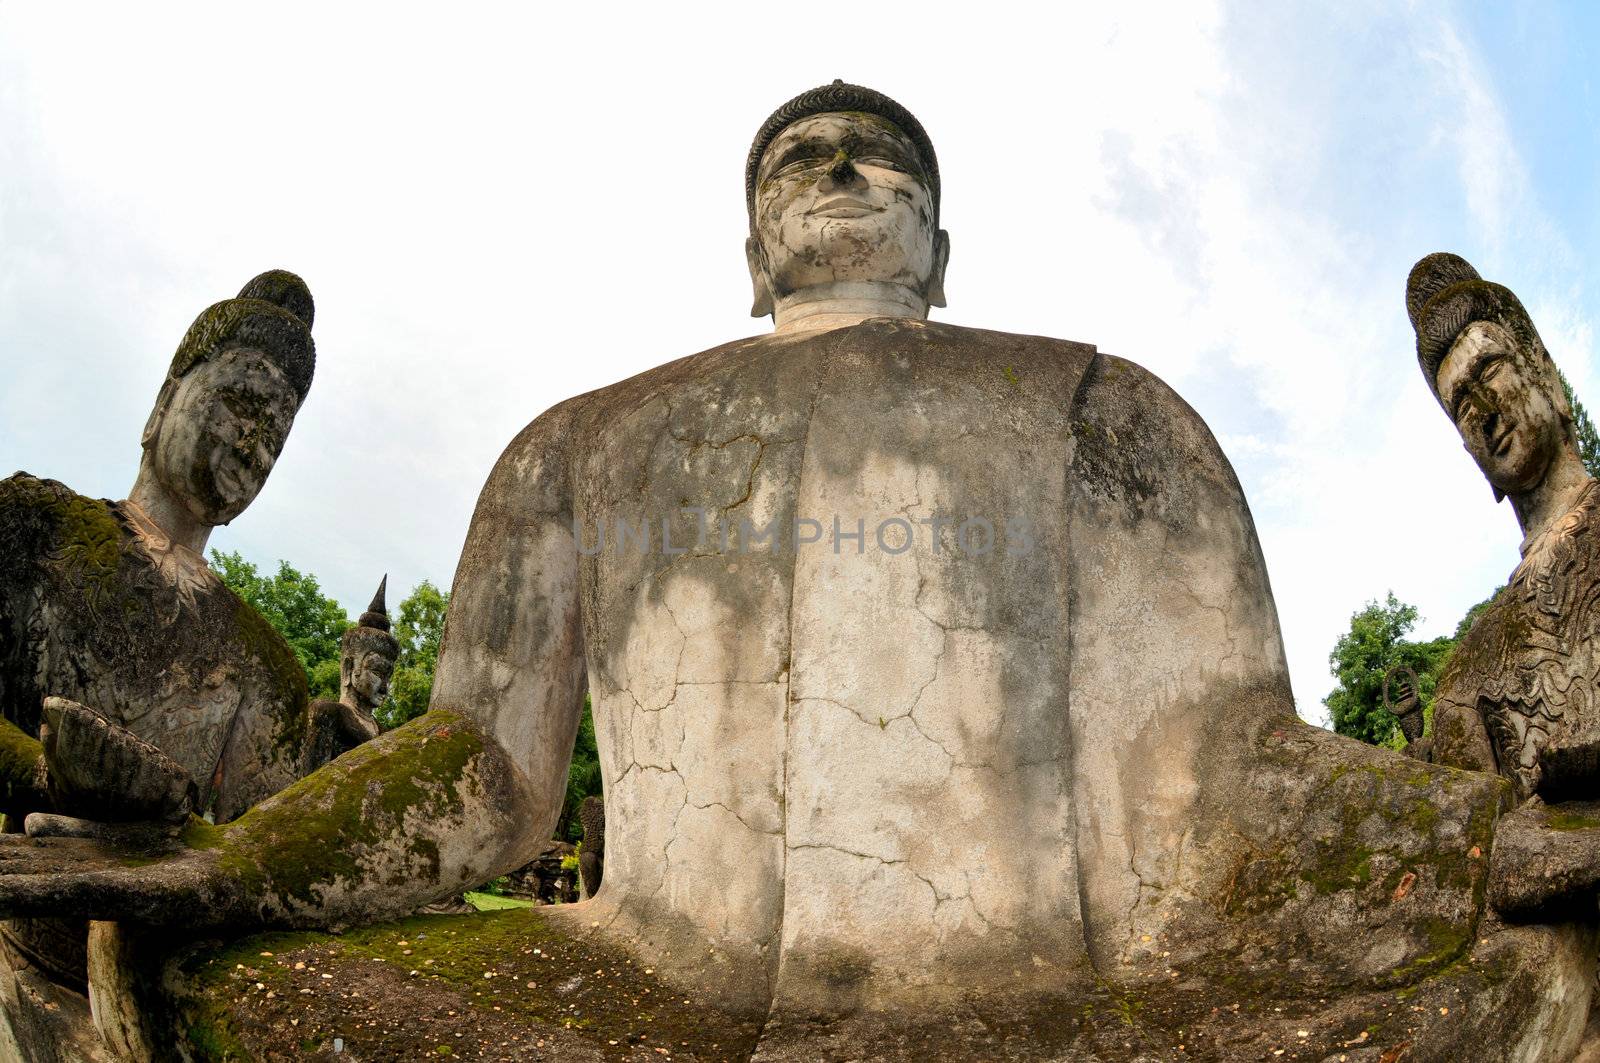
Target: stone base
517,986
41,1022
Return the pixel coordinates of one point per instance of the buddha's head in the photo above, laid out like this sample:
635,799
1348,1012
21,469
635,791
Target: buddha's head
368,657
842,185
1490,371
230,398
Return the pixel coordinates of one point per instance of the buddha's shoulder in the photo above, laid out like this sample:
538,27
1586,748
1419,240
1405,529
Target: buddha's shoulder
776,364
35,511
1137,440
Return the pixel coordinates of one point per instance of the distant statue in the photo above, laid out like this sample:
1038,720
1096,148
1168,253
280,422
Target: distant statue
1521,694
1406,707
948,655
366,663
591,860
113,627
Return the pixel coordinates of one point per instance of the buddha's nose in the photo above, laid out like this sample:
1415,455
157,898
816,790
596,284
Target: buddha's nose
841,173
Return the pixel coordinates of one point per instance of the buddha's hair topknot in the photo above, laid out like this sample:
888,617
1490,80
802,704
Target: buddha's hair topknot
272,314
1444,295
841,96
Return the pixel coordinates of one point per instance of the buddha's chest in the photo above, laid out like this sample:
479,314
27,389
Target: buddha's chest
172,659
833,603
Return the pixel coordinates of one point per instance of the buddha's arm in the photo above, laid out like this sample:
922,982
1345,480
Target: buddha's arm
1175,641
447,801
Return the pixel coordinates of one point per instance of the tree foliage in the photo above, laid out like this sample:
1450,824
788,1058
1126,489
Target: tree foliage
583,777
1376,642
1588,438
293,603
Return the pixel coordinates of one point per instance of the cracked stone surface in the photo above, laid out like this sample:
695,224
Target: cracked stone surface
852,782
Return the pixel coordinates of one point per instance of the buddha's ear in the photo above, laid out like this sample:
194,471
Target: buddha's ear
941,259
153,425
761,304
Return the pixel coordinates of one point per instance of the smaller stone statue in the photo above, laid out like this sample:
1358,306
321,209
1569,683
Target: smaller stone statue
365,667
135,687
1408,710
591,860
1520,693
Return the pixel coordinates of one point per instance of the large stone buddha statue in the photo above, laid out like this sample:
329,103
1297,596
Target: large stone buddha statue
947,657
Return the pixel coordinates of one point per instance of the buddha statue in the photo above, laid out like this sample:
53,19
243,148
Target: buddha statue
169,694
366,663
1519,695
111,604
948,655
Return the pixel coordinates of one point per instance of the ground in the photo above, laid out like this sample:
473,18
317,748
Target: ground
510,986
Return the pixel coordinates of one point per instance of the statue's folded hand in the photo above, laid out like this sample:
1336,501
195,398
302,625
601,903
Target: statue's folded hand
100,771
1546,860
168,884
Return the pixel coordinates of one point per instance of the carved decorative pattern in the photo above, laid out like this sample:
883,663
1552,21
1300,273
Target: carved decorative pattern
1531,663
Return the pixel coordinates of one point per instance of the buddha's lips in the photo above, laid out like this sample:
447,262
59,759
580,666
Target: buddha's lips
844,207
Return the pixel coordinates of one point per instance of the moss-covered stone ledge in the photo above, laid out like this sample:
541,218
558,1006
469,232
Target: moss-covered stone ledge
519,985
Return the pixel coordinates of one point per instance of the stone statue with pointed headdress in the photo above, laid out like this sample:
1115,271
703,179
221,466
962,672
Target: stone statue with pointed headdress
366,662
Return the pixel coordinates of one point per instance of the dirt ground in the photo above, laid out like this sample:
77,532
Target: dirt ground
488,986
505,986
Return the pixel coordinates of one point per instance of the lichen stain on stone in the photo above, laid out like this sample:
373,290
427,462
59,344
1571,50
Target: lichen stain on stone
88,532
363,800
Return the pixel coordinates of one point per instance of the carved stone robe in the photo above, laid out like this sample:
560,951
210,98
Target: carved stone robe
94,607
1519,695
1048,739
92,611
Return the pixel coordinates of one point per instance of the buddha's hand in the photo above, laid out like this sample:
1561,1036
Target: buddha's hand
101,772
169,884
127,847
1546,860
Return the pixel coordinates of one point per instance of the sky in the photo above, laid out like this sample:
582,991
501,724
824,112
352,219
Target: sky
500,207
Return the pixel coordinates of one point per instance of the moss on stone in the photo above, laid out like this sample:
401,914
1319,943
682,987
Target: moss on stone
1447,945
198,834
1341,867
1571,821
86,534
19,764
319,829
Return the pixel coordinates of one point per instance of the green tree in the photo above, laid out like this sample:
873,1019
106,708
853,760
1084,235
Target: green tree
1375,642
1588,438
293,603
583,777
418,626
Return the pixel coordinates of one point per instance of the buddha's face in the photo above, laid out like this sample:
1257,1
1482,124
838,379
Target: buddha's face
1505,401
222,429
842,197
369,678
